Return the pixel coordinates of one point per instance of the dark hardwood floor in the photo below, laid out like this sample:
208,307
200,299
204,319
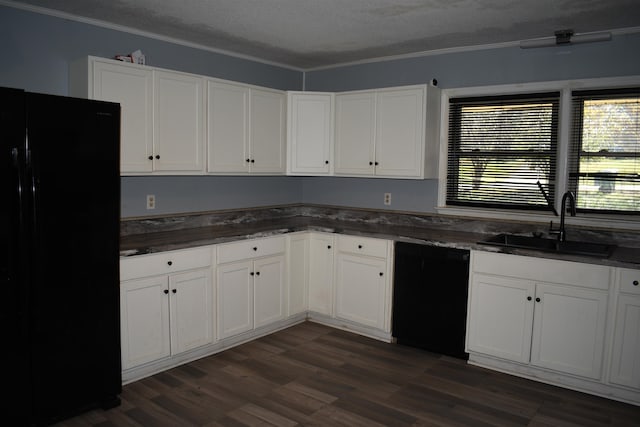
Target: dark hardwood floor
310,374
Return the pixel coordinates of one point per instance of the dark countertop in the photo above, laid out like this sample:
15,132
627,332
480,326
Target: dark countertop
144,243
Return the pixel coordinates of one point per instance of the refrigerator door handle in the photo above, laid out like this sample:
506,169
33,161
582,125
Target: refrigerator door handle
20,182
31,182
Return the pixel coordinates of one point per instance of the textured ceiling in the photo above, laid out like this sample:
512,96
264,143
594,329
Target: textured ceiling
317,33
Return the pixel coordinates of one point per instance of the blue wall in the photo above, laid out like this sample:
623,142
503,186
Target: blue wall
37,50
206,193
619,57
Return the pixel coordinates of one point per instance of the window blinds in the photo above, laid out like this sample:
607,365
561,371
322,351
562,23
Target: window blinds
502,151
604,160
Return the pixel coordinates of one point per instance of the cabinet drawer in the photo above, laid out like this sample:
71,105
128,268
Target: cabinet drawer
363,246
247,249
630,281
542,269
164,262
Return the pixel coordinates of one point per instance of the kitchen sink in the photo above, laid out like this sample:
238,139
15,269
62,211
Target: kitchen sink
550,245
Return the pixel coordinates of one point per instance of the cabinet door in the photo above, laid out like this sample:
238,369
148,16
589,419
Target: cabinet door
144,311
191,310
235,298
228,128
321,253
355,134
400,133
310,133
268,290
298,270
568,329
625,359
178,136
132,88
501,317
268,154
360,289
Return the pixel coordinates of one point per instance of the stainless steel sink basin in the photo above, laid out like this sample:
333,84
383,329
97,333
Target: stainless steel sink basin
550,245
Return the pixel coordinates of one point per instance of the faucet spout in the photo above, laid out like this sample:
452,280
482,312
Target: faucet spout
562,234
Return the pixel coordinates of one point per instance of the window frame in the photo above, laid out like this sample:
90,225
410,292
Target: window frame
565,87
576,154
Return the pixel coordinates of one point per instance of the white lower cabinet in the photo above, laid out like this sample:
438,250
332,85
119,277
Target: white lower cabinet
321,255
347,281
569,329
251,285
235,298
558,326
298,272
268,290
625,358
362,281
571,324
166,305
311,260
501,317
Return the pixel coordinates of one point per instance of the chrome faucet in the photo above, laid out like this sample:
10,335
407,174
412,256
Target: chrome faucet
562,234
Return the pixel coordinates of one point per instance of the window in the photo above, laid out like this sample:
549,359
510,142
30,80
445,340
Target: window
502,151
604,160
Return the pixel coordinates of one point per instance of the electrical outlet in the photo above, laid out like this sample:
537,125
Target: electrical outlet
387,199
151,201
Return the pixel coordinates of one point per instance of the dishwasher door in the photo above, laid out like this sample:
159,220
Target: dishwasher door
430,298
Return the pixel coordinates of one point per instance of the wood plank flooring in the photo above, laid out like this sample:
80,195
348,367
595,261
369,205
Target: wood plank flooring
313,375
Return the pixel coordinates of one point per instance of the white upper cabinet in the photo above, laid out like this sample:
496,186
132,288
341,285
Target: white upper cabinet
227,128
177,123
178,137
389,133
132,88
400,126
162,114
355,134
268,134
246,131
310,133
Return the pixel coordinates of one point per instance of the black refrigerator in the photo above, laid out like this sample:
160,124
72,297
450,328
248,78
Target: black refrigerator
59,265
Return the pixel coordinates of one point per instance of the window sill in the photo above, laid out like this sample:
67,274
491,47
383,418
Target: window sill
584,220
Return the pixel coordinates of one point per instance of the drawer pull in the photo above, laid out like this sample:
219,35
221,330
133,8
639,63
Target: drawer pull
359,246
169,262
328,246
255,248
635,283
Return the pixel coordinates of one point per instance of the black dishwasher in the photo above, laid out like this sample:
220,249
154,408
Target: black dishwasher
430,298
